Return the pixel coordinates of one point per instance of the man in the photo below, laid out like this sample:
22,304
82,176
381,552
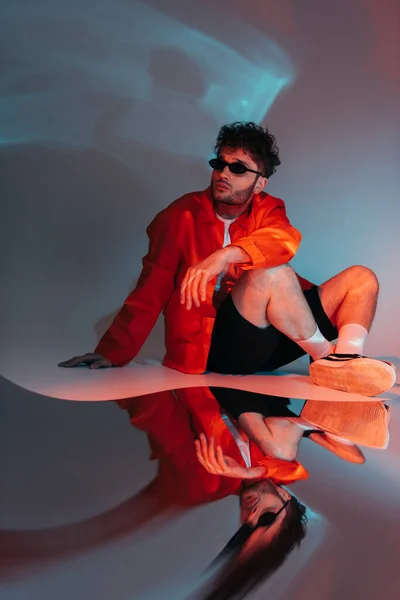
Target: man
218,268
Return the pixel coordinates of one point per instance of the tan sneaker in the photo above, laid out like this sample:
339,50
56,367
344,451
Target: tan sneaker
353,373
365,423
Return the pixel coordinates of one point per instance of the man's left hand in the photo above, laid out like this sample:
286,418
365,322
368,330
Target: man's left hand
194,285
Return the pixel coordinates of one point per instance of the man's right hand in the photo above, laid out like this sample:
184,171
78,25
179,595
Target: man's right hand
214,461
92,360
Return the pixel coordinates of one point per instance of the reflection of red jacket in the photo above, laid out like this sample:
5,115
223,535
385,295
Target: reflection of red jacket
182,235
172,421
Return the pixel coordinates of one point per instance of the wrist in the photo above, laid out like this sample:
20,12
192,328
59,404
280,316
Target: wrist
236,255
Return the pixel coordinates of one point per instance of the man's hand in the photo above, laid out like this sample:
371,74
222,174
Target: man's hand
194,285
93,361
214,461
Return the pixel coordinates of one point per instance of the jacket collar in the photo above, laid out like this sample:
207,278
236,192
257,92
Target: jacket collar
206,212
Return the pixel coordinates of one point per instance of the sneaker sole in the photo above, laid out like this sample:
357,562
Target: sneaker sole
359,376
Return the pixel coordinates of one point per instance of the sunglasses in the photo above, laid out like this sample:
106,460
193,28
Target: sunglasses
237,168
245,531
267,518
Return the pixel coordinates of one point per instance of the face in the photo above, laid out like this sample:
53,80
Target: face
255,499
230,190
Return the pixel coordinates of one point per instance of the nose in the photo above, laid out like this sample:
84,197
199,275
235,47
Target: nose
225,172
250,516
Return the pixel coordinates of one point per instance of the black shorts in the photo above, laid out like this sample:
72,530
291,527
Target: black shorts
240,348
235,402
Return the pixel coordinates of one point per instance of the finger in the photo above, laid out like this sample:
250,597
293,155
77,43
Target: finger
199,454
205,450
72,362
212,456
197,447
203,287
195,288
188,293
204,447
221,461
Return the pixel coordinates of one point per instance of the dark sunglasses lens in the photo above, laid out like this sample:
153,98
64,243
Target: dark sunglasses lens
237,168
266,519
217,164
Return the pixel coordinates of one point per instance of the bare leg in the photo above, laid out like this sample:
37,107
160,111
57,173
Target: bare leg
351,297
276,437
350,300
274,296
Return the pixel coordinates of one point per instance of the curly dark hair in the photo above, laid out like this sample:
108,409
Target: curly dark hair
254,139
237,577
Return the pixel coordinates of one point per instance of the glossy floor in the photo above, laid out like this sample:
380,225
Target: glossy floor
79,518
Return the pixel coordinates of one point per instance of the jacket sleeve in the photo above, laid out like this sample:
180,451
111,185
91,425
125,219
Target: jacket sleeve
167,423
187,482
274,243
137,317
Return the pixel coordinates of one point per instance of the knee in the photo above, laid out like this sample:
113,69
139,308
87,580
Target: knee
364,277
273,274
281,453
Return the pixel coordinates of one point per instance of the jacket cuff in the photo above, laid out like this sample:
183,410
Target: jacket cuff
257,258
117,356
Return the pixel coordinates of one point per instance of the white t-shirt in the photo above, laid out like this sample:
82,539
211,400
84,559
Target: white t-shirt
227,240
243,446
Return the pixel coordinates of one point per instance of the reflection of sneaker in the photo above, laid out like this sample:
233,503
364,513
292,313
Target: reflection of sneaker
342,447
346,451
365,423
353,373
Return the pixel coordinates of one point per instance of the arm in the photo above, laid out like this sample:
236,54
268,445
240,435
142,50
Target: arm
167,423
253,424
134,322
250,410
274,243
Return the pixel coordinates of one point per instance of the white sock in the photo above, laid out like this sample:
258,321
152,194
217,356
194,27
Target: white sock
351,339
316,346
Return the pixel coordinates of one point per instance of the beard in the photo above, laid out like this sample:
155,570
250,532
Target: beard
262,486
234,198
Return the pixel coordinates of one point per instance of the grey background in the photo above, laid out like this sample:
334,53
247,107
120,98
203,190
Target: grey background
108,112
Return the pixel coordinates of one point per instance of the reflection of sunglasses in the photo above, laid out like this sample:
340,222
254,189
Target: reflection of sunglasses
245,531
237,168
268,518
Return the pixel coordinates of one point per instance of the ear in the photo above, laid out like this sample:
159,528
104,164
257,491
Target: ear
260,185
284,494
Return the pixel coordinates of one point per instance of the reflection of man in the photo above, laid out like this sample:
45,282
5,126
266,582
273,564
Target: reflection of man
224,462
277,431
218,267
273,524
174,420
273,521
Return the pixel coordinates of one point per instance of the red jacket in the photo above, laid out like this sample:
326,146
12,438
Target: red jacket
172,421
180,236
